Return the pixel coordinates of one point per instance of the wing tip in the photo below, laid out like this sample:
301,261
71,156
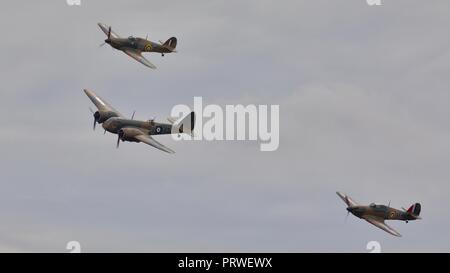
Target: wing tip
394,232
148,64
341,195
137,55
169,151
88,92
102,26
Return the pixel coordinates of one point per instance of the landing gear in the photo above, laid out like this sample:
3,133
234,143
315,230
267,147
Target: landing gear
162,54
407,221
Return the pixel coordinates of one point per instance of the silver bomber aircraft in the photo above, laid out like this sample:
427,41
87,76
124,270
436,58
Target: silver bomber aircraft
377,214
136,130
134,46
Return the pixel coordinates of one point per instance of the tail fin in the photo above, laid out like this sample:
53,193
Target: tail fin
187,124
414,209
171,43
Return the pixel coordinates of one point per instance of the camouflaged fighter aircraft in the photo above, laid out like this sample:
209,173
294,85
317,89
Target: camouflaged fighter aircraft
376,214
136,130
134,47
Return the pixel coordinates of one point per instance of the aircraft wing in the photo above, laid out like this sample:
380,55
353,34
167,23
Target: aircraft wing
152,142
350,202
138,57
105,29
378,222
100,103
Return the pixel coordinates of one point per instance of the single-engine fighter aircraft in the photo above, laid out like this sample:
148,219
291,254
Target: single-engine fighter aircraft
133,46
136,130
376,214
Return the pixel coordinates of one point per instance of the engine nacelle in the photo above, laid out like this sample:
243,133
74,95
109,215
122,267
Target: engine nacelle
102,116
129,134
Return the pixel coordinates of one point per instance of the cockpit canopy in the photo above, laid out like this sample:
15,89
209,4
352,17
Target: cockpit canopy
131,38
372,205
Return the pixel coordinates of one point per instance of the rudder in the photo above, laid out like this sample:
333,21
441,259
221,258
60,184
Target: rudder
415,209
171,43
187,124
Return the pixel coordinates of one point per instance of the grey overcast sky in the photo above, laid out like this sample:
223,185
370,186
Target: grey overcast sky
364,106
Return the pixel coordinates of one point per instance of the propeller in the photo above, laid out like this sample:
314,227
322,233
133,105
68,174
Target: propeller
349,209
96,118
102,44
119,137
96,115
108,40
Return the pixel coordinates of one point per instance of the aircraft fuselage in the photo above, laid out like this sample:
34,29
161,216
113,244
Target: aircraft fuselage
380,211
138,44
115,124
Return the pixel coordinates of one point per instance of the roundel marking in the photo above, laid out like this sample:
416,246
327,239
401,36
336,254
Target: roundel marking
158,129
148,47
392,214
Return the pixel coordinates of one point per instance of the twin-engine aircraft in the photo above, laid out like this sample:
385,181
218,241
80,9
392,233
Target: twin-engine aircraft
133,46
376,214
136,130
